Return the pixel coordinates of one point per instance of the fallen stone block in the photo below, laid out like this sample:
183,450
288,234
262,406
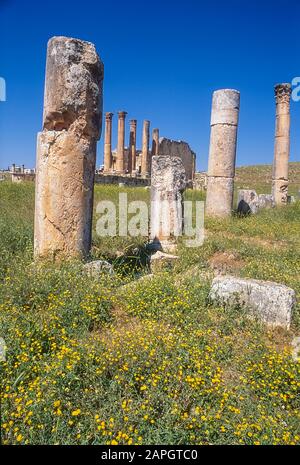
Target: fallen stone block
296,349
249,202
162,261
270,302
98,267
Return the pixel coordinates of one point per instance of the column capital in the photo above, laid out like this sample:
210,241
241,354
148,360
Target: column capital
122,114
133,122
283,92
108,115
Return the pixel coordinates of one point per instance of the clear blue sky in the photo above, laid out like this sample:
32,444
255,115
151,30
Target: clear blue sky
163,59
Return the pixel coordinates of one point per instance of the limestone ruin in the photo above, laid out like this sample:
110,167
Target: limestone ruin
168,182
66,149
222,152
272,303
133,162
250,202
182,150
145,150
282,144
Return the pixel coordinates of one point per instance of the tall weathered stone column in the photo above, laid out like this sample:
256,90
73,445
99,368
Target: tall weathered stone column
132,146
145,149
168,182
155,142
222,152
107,142
120,165
282,144
66,149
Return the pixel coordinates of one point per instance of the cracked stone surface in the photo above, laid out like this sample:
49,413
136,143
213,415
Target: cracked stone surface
97,267
250,202
219,198
66,149
272,303
222,152
161,261
168,182
282,144
73,87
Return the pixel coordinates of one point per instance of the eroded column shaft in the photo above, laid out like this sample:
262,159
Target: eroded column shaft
145,149
168,182
282,144
132,146
155,142
120,165
66,149
222,152
107,142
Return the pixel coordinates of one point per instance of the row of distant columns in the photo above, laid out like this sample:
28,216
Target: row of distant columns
120,162
222,151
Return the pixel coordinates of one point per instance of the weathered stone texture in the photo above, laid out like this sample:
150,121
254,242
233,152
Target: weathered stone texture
225,107
222,152
168,182
97,267
107,142
120,164
64,193
161,261
181,150
250,202
280,191
73,87
282,144
155,142
200,181
132,147
66,149
219,196
270,302
145,164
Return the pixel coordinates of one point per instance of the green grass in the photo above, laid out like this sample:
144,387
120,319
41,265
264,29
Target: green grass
150,361
259,177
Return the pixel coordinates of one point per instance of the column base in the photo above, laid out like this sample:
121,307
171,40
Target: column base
280,191
219,196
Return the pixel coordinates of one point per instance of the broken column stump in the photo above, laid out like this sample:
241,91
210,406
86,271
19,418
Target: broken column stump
66,149
168,182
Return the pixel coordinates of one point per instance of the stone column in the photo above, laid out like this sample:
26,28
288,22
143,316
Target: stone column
282,144
168,182
107,143
145,149
155,142
66,149
222,152
132,146
120,165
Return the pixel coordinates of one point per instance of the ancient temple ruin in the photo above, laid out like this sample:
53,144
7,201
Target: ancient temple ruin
133,162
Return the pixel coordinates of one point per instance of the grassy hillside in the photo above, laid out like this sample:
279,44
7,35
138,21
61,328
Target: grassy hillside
260,177
121,360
